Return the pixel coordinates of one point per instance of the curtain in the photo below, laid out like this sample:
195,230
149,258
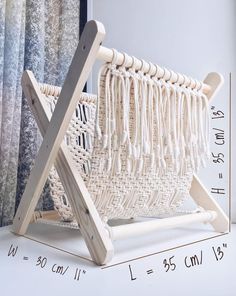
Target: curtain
38,35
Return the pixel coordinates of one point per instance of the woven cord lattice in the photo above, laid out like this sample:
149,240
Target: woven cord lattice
150,137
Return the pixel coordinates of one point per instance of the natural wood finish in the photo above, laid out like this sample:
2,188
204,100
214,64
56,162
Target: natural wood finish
215,81
203,199
48,215
77,193
145,227
91,227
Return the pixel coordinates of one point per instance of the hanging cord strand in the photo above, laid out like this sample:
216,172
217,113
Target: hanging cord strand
174,118
150,117
134,77
151,121
101,72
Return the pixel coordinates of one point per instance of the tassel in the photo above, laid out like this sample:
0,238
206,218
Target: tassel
140,165
152,160
98,131
150,115
138,151
124,137
109,163
146,147
135,152
107,108
130,150
105,141
118,163
113,111
129,165
115,142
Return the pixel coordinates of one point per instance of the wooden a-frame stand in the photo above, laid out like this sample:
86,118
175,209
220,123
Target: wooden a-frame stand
53,150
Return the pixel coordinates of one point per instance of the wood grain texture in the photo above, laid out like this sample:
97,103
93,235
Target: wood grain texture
203,198
92,229
145,227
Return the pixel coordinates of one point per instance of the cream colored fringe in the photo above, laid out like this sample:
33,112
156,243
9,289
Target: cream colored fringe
167,122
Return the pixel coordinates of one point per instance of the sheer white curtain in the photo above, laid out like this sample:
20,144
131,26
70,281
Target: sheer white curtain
40,36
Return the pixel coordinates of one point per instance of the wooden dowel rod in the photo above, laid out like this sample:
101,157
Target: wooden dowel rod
141,228
106,54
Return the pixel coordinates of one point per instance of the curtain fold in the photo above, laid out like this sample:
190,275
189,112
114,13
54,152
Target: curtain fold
40,36
11,67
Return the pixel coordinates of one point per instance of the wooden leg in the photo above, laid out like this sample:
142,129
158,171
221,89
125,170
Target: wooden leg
198,192
92,229
203,198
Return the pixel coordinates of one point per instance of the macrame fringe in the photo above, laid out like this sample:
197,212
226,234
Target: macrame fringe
134,139
152,120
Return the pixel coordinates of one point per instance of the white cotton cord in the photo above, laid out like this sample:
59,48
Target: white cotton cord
97,125
202,140
124,75
119,105
123,135
150,120
182,143
157,132
169,146
139,143
118,133
110,95
207,124
106,137
178,125
50,102
142,135
132,124
146,138
107,108
126,103
171,125
114,73
144,128
126,118
134,148
113,102
135,145
168,149
186,128
205,132
195,134
199,146
160,119
127,111
141,122
174,118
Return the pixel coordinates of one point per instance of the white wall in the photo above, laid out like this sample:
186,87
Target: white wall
192,37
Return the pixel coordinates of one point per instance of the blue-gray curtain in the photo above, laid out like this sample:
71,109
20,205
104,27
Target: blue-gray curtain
39,35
